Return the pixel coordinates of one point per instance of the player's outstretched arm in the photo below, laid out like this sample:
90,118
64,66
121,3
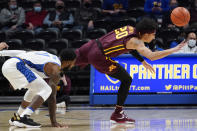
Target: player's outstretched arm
148,67
54,76
3,45
11,53
143,50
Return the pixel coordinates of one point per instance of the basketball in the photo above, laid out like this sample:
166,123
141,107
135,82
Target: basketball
180,16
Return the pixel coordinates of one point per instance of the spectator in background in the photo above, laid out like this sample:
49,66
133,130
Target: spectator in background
35,18
114,7
59,18
86,15
191,46
193,13
12,17
156,8
63,91
167,23
114,10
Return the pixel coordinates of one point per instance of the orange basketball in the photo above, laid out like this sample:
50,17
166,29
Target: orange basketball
180,16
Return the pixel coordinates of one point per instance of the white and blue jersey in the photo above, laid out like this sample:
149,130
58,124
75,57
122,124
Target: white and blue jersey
36,60
24,67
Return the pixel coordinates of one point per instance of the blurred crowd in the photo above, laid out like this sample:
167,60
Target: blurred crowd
81,20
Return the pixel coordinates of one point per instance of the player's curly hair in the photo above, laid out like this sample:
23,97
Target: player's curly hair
67,55
146,25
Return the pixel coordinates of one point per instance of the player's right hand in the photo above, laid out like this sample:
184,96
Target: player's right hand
56,124
179,46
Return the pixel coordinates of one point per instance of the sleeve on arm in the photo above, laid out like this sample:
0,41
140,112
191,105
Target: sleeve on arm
47,21
11,53
70,21
137,55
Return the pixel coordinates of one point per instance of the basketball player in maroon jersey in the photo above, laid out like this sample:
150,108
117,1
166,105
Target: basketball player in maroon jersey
99,52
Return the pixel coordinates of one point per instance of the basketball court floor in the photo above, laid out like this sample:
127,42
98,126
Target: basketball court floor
86,118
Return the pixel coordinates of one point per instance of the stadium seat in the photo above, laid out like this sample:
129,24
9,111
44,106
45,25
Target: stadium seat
78,43
14,44
49,4
72,3
47,35
2,36
22,35
136,12
26,4
52,51
102,23
58,44
130,21
169,33
96,33
72,34
34,44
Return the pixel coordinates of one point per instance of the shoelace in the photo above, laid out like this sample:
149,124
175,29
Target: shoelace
124,114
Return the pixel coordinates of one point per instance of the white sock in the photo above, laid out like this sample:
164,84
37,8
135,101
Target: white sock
27,111
20,110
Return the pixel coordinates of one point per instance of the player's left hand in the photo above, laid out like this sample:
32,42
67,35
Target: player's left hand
148,67
56,124
3,45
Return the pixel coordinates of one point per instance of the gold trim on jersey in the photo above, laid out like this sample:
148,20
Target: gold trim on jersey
108,58
114,49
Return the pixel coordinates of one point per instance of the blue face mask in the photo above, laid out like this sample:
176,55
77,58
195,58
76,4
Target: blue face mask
13,7
37,9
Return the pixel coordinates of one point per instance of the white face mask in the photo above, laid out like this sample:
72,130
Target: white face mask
192,43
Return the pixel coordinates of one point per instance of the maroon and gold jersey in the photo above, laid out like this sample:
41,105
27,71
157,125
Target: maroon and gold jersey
114,43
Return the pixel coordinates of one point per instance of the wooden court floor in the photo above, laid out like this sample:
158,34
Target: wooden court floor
85,118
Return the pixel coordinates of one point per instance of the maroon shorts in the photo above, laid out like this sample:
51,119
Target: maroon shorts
101,62
90,53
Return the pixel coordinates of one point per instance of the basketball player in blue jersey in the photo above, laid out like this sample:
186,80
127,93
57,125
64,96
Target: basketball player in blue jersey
99,52
28,70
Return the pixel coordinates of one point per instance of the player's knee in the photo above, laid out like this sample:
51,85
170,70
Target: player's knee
45,92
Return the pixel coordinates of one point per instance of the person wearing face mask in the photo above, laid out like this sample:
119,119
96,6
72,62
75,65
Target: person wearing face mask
12,17
35,18
191,46
59,18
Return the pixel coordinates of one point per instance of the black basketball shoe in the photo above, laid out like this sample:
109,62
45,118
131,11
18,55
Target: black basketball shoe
13,119
26,121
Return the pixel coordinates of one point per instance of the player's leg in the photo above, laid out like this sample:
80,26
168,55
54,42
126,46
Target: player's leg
16,79
118,116
20,76
43,92
25,102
